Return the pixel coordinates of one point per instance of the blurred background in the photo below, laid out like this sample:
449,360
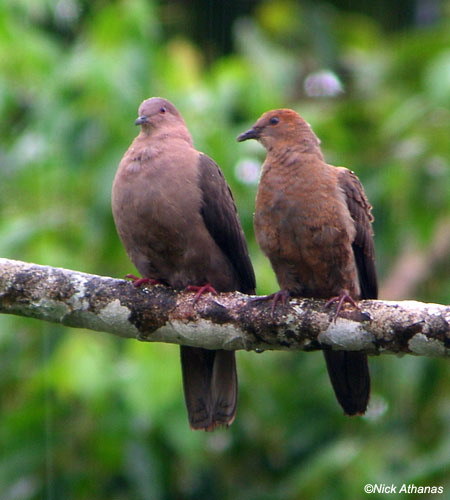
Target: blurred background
89,416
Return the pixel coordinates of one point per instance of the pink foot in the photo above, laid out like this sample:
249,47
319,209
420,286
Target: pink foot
138,282
280,296
341,299
208,288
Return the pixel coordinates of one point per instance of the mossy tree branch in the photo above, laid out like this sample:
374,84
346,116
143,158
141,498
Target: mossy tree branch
225,321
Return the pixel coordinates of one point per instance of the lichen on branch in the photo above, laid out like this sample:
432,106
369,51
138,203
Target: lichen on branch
225,321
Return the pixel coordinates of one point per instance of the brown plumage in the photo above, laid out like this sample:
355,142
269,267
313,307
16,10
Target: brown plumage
313,221
176,217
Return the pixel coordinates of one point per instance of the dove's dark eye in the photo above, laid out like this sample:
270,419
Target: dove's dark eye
162,110
274,120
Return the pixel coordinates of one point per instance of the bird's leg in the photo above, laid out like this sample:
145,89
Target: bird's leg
280,296
138,282
341,299
201,290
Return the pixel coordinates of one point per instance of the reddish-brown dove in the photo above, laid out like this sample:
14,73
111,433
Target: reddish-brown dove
313,221
176,217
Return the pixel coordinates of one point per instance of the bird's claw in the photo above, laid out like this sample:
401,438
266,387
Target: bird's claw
341,299
138,282
280,296
200,290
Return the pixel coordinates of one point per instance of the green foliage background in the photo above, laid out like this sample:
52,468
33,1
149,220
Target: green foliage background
86,415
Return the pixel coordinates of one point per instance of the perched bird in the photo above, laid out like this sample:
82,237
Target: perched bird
313,221
177,220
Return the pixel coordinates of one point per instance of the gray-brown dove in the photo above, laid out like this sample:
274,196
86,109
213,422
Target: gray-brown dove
176,217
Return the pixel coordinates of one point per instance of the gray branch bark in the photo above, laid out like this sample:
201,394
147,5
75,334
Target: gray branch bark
224,321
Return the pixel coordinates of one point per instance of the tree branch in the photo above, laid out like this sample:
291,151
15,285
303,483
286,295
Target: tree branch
225,321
